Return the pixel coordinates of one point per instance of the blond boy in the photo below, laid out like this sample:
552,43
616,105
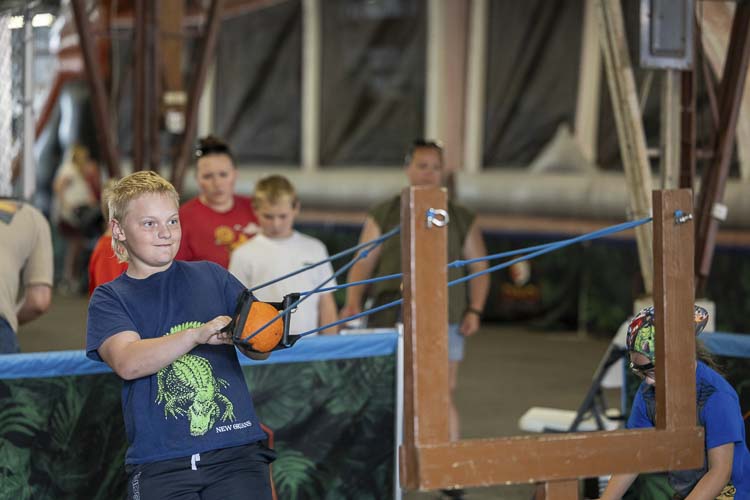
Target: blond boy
158,326
279,250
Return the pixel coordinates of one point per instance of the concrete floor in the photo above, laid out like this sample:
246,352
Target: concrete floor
507,369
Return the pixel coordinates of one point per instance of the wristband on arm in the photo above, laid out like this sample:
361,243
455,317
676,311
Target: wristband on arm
473,311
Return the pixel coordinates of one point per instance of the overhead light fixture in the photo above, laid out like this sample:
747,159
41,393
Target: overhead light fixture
42,20
15,22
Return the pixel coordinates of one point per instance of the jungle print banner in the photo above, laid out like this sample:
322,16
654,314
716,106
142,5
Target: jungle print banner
333,426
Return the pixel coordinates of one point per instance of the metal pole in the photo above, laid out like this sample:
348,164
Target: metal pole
311,77
399,413
108,148
29,165
6,98
154,86
139,86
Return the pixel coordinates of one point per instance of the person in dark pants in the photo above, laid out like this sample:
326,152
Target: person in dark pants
189,417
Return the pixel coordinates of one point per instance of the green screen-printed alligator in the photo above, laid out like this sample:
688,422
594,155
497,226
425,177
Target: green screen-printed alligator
188,387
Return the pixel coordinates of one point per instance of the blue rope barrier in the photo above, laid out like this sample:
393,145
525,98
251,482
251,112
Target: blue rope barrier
355,283
555,246
541,249
535,251
351,250
355,316
455,263
588,236
501,255
365,247
286,312
510,253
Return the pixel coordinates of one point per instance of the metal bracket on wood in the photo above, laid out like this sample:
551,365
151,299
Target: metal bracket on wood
437,217
681,217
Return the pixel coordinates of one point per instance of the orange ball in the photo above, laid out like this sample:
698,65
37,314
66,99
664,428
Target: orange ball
261,313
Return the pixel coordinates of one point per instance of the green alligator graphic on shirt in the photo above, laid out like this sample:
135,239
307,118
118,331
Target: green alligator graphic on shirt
189,388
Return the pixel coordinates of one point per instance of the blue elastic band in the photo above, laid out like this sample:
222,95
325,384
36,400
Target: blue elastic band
356,316
354,283
374,242
365,247
527,250
541,249
555,246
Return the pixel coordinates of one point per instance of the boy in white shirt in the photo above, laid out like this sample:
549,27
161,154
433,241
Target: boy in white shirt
278,250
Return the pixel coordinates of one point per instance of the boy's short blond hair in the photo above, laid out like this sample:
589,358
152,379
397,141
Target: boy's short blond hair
128,189
272,189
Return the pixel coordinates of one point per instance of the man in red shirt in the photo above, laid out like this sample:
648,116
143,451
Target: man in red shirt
217,221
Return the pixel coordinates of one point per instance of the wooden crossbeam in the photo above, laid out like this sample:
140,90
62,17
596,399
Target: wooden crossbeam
555,457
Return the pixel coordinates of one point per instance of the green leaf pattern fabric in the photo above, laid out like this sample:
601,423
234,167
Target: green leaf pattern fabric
64,438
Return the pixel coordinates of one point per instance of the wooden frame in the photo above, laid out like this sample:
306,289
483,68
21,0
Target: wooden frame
429,460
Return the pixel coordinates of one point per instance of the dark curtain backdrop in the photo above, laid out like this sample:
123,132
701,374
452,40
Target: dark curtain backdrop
258,84
532,76
373,81
532,83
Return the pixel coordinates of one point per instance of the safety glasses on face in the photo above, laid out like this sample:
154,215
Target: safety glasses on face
643,371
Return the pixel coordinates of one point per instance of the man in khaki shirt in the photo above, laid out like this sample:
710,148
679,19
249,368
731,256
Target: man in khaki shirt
26,266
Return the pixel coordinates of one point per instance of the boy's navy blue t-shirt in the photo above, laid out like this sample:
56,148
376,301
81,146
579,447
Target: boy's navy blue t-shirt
201,401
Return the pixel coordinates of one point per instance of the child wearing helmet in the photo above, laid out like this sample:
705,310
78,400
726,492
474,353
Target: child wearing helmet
726,470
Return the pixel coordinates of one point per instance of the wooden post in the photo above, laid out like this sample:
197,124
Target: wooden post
173,97
448,25
673,302
716,20
687,133
424,255
589,85
476,76
205,54
104,134
153,85
630,132
140,109
714,179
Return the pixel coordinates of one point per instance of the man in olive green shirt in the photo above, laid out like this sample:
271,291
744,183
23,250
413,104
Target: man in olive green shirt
424,167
